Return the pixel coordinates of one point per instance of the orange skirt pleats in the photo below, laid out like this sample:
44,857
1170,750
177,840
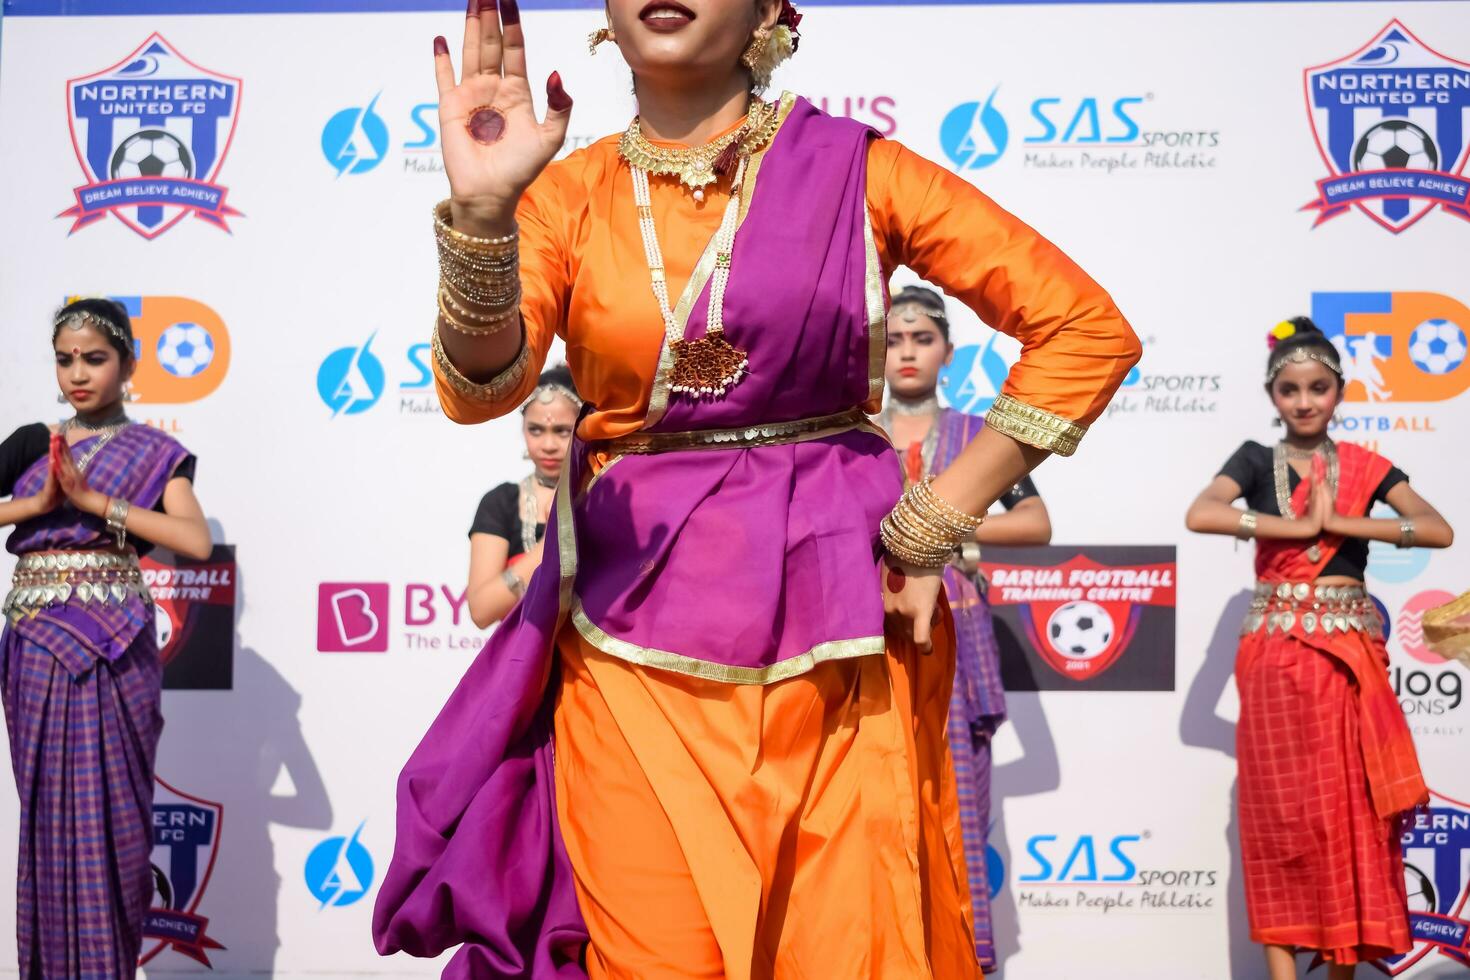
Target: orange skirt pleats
803,829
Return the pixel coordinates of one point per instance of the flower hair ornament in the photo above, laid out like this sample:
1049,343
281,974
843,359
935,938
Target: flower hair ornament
769,49
1300,355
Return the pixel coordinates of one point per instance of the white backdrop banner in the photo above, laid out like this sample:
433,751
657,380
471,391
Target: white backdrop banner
254,179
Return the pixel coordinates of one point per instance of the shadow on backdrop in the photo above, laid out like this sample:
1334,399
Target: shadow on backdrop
1036,771
1201,727
233,747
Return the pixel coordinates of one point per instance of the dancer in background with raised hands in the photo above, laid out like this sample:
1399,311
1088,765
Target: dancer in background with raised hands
750,776
1327,764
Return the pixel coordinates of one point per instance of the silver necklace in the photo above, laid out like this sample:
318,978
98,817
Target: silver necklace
1282,479
105,434
928,405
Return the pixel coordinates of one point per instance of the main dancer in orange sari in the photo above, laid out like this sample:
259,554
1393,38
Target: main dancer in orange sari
1327,764
748,708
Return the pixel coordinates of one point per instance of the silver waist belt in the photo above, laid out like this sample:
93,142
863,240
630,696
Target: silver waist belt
74,576
1304,607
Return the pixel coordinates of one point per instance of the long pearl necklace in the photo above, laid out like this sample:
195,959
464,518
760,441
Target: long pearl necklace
708,366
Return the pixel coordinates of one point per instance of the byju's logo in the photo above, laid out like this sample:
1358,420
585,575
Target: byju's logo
352,617
974,377
339,871
350,380
1389,120
974,135
355,140
1397,347
151,133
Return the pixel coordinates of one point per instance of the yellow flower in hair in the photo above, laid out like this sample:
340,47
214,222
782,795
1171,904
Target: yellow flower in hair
1283,330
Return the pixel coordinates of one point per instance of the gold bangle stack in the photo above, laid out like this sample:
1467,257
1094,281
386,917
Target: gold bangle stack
479,278
924,529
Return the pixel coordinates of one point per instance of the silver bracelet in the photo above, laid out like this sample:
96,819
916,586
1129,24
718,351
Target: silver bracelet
117,519
1406,532
513,582
1247,527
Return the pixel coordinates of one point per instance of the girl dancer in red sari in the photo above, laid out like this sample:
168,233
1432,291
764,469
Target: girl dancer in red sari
1327,765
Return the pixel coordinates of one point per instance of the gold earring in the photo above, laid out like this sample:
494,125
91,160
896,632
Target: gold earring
756,49
597,37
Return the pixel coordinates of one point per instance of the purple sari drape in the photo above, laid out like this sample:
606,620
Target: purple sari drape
81,685
977,707
737,559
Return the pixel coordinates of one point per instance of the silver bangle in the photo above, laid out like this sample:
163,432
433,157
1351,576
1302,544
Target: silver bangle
1406,532
513,582
117,519
1247,527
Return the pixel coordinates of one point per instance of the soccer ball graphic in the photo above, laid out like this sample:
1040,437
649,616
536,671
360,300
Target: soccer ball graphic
1437,346
185,349
152,153
1420,890
1080,630
1395,144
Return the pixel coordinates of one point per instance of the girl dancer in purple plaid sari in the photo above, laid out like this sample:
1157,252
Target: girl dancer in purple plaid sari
928,438
79,666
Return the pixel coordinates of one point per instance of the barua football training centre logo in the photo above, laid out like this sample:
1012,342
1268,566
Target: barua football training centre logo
1390,122
151,133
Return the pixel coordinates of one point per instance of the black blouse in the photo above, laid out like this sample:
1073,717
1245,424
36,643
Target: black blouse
1251,468
1018,493
499,514
31,442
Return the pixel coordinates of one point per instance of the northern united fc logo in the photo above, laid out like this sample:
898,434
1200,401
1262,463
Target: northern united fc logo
1437,882
151,133
186,833
1391,122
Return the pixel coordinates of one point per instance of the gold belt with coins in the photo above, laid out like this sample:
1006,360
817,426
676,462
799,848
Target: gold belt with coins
1307,608
95,577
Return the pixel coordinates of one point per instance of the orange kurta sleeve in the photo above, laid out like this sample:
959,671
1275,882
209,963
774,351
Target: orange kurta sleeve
1076,346
545,293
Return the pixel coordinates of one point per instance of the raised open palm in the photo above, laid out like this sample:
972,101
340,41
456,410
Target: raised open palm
489,167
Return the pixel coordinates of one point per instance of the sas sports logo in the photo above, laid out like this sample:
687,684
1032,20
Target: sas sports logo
151,133
1390,123
1075,612
186,835
1397,347
974,377
350,380
339,871
1437,879
355,140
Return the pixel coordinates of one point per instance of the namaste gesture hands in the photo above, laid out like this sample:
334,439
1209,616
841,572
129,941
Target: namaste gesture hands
494,147
65,482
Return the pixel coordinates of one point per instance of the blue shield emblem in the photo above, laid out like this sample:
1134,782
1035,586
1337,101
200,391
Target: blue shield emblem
186,835
151,133
1437,883
1391,122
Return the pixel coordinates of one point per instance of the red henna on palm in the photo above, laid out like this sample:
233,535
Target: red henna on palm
896,580
485,124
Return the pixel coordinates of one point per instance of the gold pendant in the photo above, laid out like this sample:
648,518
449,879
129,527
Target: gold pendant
708,366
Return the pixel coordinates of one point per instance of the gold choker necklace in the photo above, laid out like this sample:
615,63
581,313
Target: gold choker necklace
699,166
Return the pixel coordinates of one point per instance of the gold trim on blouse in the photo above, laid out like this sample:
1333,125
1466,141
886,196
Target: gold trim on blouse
490,391
877,307
1034,426
862,646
